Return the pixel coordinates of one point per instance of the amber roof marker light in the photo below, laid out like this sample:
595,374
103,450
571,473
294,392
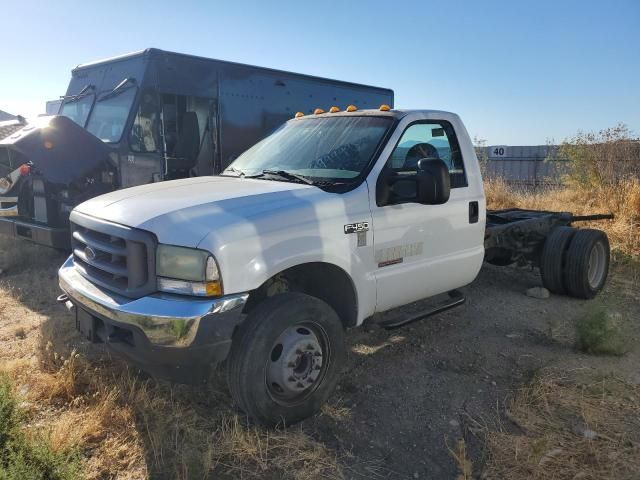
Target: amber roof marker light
298,115
352,108
384,107
334,109
318,111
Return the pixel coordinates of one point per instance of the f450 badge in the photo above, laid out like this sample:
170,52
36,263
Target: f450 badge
356,227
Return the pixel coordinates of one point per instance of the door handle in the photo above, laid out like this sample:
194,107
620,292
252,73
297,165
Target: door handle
474,212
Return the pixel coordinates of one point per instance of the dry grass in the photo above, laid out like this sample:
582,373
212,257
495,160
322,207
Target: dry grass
623,200
124,425
463,463
133,428
569,428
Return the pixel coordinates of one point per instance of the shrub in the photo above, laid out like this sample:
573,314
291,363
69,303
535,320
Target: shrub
600,333
29,456
607,157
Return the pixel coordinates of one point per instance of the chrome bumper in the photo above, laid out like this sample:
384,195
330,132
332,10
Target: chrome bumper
165,319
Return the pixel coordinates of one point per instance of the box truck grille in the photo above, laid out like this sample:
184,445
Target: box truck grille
113,256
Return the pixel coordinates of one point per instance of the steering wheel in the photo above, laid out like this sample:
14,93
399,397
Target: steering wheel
418,152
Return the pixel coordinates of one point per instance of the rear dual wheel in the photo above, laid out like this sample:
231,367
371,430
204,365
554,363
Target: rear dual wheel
285,359
587,263
575,262
552,262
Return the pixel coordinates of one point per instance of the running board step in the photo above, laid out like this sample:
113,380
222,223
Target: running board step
455,300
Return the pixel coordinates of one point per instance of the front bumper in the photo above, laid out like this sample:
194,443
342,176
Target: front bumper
41,234
168,335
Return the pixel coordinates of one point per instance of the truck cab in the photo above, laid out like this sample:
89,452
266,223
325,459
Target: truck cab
330,219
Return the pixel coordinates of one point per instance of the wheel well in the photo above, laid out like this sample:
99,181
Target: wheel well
325,281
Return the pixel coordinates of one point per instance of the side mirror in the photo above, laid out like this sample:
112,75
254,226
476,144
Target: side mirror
433,182
430,185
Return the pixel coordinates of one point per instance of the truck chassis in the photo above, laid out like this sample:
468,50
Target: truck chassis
572,262
516,235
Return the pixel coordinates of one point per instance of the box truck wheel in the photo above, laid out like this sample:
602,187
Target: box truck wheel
285,358
553,259
587,263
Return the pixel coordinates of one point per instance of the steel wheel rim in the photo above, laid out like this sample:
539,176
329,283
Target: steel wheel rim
597,260
297,363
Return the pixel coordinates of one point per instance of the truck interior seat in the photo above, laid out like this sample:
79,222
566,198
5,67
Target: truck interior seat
188,144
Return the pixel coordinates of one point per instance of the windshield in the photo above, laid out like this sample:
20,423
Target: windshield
326,147
77,109
110,114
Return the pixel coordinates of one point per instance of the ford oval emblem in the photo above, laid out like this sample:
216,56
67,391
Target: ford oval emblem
90,253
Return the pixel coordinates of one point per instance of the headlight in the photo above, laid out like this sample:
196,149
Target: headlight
188,271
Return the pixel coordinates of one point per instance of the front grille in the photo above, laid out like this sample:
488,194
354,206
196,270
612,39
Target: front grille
116,257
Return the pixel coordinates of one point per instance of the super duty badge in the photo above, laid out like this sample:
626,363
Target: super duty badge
356,227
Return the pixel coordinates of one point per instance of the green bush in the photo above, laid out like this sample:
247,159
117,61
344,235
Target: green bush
600,334
606,157
25,457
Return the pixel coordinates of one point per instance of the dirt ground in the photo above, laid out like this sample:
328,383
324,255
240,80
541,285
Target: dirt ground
414,391
407,395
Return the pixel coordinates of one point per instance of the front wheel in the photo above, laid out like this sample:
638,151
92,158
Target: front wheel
285,358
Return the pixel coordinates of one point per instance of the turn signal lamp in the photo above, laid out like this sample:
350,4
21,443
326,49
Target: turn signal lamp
334,110
352,108
299,114
318,111
384,108
213,289
25,170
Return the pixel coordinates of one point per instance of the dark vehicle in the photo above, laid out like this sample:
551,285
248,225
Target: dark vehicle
146,117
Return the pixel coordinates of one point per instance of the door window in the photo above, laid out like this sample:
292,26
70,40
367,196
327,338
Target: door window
429,140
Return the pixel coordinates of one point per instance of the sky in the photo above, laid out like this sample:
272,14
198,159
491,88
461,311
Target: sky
517,72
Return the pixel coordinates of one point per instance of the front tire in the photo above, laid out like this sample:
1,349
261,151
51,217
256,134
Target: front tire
285,359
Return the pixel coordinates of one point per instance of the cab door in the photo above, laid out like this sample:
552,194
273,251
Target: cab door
423,250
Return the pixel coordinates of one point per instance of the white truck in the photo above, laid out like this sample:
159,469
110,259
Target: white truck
332,218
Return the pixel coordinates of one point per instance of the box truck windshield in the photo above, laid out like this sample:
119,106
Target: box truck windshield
78,108
110,113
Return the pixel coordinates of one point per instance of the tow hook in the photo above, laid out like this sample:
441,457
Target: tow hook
64,298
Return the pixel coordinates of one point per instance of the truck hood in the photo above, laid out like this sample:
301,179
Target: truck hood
59,149
183,212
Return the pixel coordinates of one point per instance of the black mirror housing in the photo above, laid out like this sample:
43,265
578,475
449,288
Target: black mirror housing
433,182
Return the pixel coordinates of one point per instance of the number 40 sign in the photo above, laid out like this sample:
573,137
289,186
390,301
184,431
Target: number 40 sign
498,151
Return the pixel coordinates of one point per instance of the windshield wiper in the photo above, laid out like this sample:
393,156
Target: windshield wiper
284,174
86,90
123,86
234,170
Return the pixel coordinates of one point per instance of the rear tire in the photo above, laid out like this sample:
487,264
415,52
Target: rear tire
587,263
553,259
285,359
